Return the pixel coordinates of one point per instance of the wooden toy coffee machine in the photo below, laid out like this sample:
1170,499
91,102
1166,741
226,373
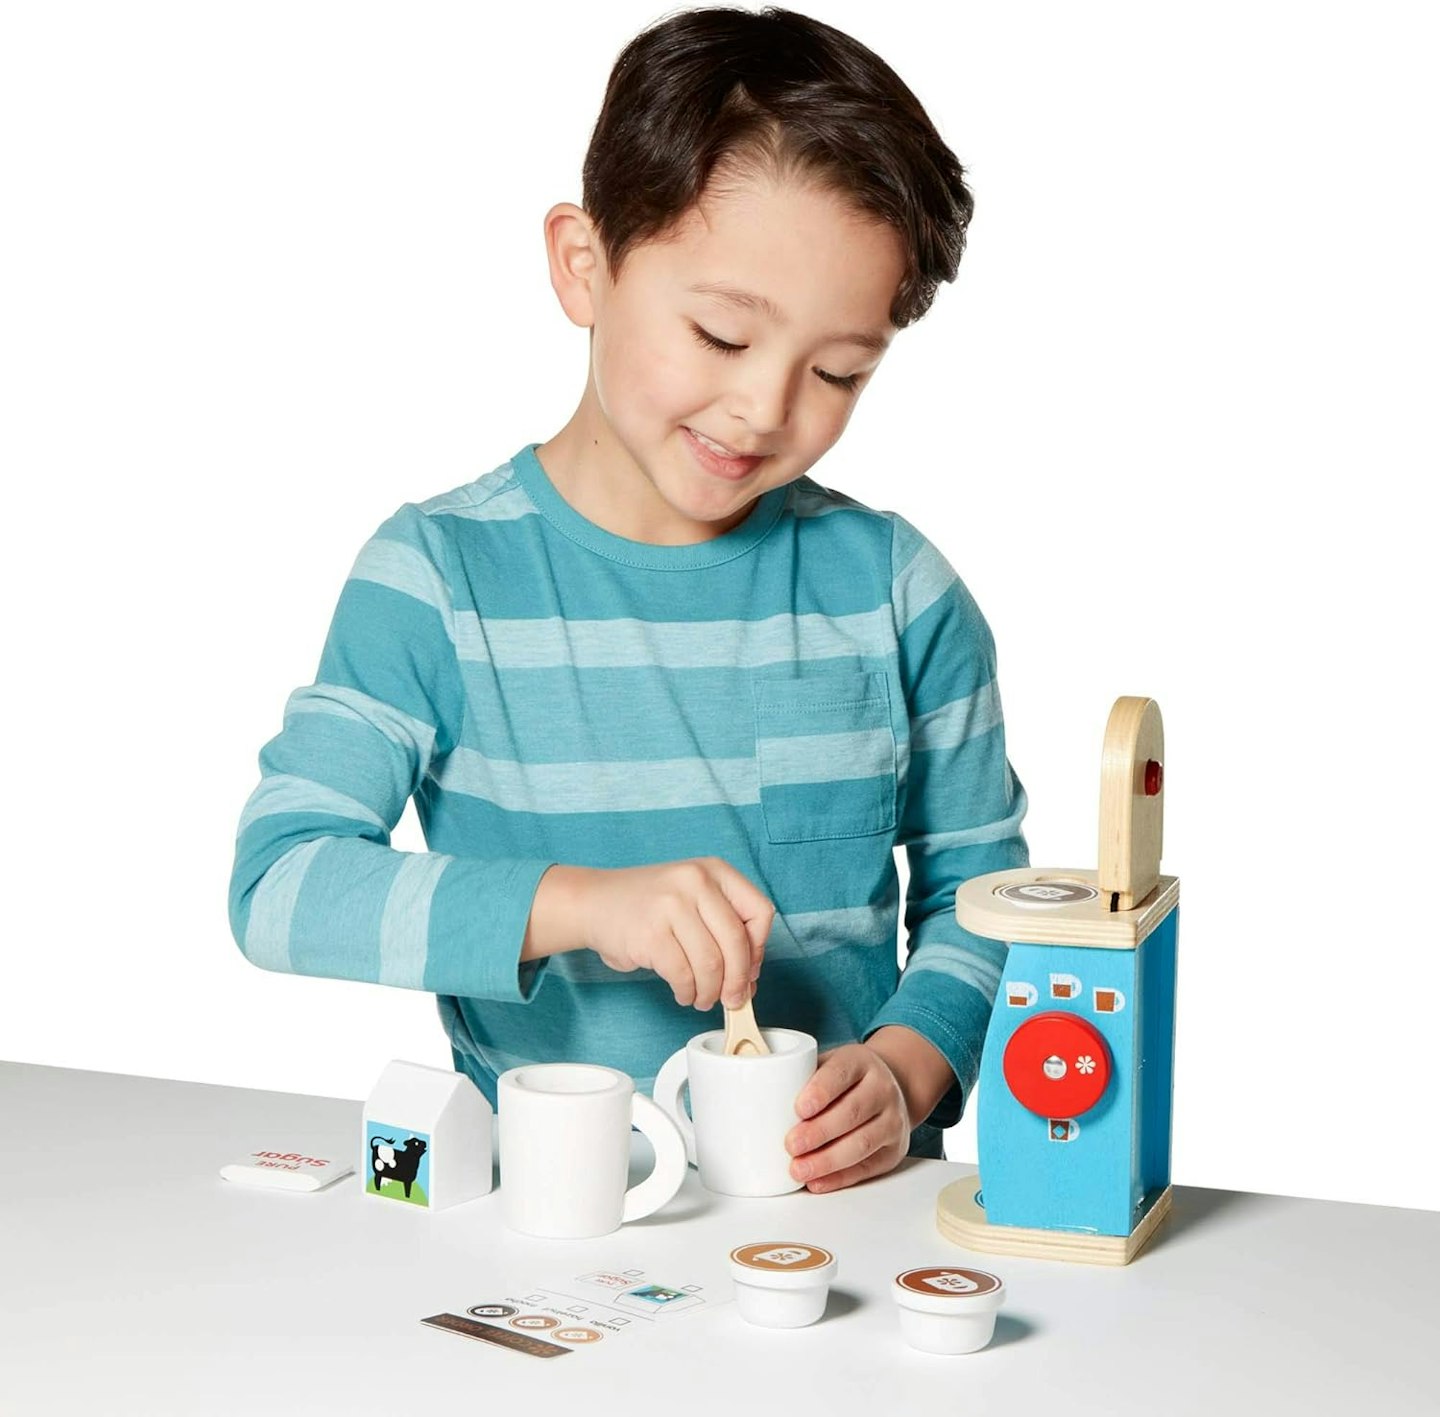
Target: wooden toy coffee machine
1076,1075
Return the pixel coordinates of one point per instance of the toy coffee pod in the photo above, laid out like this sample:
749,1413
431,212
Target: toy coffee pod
948,1310
781,1283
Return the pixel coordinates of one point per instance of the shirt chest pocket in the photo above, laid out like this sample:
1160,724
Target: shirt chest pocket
825,756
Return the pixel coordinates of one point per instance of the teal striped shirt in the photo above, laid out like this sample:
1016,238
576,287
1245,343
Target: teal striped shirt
798,696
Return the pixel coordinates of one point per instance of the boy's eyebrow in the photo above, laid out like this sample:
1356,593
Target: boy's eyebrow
872,340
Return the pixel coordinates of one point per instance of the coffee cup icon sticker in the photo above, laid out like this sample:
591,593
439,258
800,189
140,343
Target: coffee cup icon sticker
1019,994
951,1282
786,1256
1047,893
780,1255
1063,1129
1108,1001
576,1335
1064,986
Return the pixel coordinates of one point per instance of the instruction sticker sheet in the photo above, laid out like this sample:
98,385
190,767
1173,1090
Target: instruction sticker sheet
571,1313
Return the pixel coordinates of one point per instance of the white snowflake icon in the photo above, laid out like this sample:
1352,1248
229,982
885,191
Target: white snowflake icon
1085,1063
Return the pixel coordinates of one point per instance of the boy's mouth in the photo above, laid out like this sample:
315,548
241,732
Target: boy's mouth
716,458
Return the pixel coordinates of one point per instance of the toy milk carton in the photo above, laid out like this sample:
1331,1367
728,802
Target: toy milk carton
425,1137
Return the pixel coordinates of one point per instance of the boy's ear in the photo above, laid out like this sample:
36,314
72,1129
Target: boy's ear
576,261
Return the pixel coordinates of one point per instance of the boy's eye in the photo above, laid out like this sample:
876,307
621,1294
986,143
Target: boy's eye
706,338
842,381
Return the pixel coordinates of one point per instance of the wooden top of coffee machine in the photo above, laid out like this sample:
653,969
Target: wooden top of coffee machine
1120,903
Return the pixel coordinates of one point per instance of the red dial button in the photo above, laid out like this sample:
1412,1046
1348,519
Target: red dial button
1057,1065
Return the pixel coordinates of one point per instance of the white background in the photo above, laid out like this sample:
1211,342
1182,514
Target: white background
271,270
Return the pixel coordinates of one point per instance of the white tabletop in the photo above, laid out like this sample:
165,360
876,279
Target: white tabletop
135,1279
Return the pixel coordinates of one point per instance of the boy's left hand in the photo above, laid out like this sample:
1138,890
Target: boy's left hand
855,1125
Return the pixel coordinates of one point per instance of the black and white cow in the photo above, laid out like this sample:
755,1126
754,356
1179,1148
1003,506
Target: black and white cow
387,1164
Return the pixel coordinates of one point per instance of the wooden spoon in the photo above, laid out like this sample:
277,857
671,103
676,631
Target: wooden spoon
742,1033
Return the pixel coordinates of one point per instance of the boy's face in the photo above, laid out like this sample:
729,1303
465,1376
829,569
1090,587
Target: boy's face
655,380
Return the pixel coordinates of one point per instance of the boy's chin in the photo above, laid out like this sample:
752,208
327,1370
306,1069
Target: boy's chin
716,505
708,520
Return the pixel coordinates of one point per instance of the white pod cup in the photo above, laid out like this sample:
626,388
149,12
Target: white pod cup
782,1283
947,1309
743,1106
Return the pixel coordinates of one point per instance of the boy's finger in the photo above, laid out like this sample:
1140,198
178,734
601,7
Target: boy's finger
751,904
849,1112
876,1164
707,964
728,931
836,1072
854,1147
673,966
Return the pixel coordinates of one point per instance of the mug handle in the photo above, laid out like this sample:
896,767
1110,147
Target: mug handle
669,1081
664,1180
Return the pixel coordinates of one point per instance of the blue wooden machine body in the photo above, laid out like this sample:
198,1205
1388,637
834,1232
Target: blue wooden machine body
1099,1170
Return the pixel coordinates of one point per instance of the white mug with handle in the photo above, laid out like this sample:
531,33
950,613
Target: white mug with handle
743,1106
565,1150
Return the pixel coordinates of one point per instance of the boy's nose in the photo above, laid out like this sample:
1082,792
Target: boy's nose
761,405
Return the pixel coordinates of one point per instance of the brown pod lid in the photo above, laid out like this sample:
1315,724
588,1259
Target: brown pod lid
782,1256
948,1282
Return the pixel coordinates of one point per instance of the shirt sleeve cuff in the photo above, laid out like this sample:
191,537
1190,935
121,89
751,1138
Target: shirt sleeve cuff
478,918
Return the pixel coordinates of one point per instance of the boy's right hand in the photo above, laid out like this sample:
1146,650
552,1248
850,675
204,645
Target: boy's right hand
698,924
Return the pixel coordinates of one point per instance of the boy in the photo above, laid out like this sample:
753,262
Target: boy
666,705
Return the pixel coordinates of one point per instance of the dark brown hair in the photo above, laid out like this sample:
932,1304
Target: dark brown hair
776,92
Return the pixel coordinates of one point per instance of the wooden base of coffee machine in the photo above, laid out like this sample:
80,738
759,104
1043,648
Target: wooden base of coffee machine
960,1217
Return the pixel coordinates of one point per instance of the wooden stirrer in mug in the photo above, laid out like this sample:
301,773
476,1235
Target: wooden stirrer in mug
742,1033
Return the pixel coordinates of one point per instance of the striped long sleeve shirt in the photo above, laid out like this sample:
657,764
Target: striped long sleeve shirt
798,696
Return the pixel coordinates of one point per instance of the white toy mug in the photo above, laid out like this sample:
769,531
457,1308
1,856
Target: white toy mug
743,1107
565,1150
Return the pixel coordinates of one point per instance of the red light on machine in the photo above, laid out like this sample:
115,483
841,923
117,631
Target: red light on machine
1057,1065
